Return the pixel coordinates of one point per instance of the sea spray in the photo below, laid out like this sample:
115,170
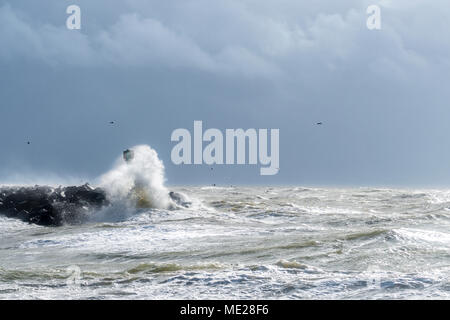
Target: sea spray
146,170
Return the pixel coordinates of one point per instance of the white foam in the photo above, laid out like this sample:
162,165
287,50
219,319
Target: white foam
146,170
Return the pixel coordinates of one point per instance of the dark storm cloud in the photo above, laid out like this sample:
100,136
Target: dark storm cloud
159,65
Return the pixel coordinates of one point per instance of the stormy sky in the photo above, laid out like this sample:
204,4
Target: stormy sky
155,66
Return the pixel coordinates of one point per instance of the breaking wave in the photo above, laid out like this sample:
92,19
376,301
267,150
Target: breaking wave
146,170
128,186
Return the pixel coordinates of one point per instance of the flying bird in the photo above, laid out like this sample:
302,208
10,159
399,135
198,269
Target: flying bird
319,123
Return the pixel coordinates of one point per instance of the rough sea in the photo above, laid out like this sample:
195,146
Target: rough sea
241,243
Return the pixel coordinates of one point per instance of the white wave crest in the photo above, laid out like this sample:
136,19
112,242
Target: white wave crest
146,170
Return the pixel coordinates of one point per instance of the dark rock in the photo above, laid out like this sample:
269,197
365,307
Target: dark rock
179,199
48,206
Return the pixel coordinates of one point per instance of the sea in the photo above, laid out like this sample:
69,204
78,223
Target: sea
236,242
233,242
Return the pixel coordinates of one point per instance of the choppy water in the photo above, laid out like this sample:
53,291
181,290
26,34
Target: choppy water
259,243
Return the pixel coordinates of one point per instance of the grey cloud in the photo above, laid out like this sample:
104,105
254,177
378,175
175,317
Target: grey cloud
132,40
232,37
158,65
47,43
